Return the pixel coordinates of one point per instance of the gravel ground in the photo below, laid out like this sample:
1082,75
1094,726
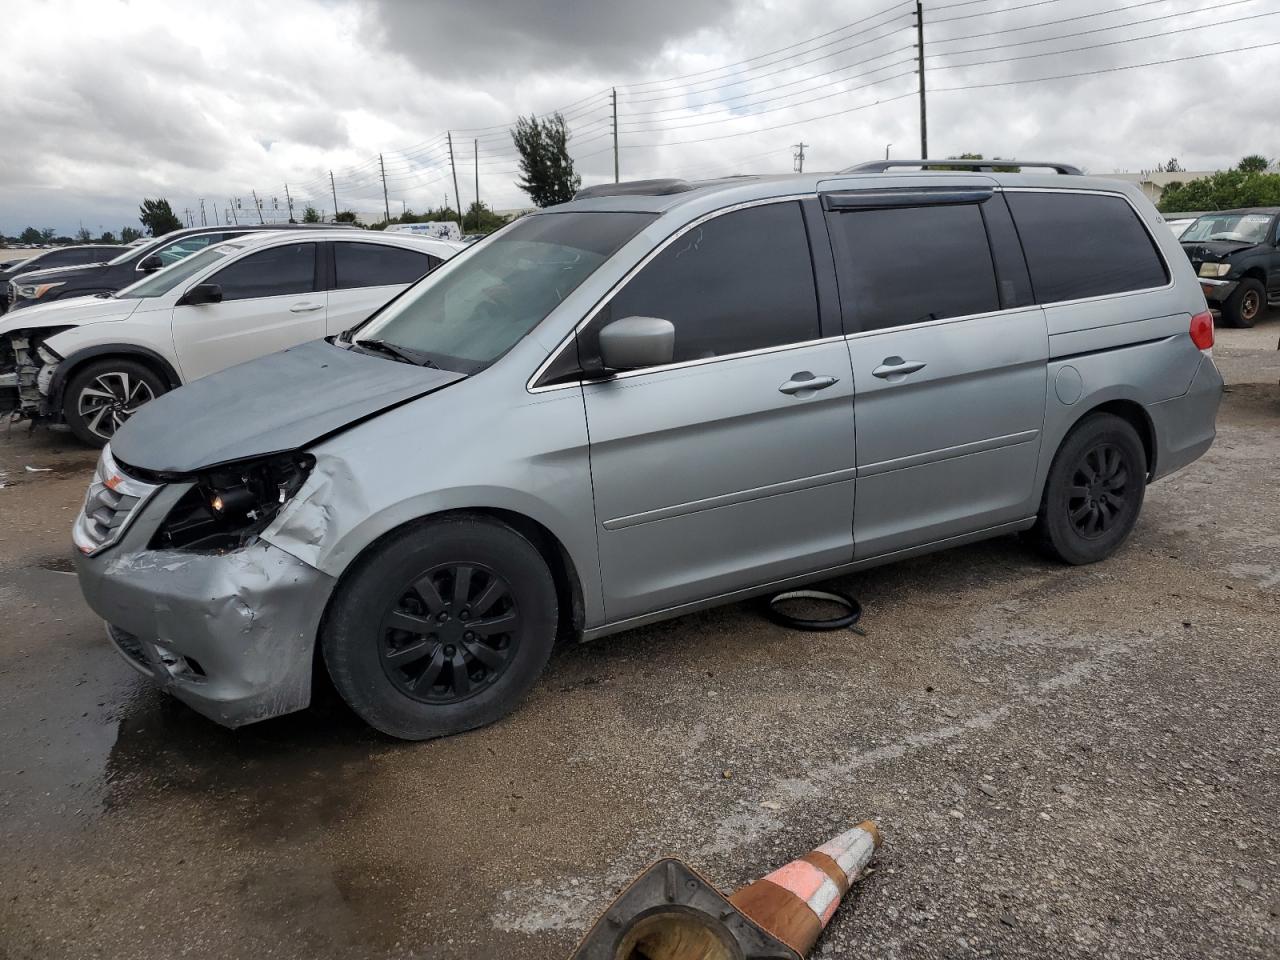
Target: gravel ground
1064,762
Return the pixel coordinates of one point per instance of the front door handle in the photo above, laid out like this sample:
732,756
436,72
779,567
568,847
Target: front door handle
306,307
895,368
804,383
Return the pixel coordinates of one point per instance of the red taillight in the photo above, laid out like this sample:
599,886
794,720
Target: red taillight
1202,330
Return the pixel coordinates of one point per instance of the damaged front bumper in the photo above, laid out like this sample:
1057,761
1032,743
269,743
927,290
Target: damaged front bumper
231,634
1218,292
25,375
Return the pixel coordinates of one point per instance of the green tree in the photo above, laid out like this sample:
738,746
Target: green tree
546,169
481,219
158,217
345,216
1253,163
1224,190
310,215
29,235
129,234
978,156
83,235
1173,166
107,237
47,235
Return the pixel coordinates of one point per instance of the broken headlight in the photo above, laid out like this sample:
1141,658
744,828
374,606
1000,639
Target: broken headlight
228,506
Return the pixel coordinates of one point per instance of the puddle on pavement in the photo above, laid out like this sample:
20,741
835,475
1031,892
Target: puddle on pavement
57,564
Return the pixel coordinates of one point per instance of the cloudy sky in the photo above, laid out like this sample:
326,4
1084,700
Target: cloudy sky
108,101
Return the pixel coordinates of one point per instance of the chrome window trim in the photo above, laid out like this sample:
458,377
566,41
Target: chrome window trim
590,314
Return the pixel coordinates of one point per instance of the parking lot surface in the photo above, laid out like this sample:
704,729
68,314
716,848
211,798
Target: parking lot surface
1064,762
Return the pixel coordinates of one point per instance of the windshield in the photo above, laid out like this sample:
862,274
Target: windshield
164,280
477,306
134,251
1241,227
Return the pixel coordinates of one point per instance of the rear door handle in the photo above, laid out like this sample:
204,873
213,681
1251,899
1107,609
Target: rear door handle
895,368
806,382
306,307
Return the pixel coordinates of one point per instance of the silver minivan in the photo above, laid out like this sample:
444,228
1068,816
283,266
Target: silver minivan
659,397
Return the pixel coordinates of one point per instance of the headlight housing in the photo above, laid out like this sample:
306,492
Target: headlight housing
1214,269
34,291
228,506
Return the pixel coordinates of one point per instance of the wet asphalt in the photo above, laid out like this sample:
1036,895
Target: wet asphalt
1064,762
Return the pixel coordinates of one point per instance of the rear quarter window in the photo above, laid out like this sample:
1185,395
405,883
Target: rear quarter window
1081,245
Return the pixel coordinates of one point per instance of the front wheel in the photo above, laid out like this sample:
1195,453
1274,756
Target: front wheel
1094,492
445,627
102,396
1246,304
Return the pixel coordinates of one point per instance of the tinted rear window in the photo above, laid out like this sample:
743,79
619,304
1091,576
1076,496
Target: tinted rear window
905,265
1084,245
378,265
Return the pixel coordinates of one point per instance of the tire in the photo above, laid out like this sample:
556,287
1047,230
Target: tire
1083,520
94,418
414,580
1246,305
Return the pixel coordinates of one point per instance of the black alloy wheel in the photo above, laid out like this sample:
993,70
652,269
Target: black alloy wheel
1096,499
452,632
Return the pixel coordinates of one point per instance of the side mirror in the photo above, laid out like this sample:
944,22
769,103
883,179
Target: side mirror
201,293
635,342
150,264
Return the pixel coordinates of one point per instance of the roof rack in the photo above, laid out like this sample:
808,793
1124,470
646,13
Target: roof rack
988,166
634,188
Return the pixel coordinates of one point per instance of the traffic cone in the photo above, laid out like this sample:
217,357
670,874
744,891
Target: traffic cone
670,912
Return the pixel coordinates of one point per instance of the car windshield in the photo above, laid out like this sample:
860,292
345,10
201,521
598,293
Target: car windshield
477,306
164,280
134,251
1240,227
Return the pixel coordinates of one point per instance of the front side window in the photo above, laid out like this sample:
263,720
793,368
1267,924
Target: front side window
1082,245
480,304
378,265
289,269
738,282
906,265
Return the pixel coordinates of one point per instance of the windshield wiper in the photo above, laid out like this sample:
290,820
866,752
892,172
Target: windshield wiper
403,354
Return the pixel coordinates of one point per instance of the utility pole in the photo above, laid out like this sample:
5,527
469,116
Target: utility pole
613,95
798,156
924,116
335,196
258,204
231,212
456,194
475,146
204,221
288,202
386,204
886,150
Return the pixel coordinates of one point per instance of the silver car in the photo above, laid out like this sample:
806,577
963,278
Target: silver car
659,397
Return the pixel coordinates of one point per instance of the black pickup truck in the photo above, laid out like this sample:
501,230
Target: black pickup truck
1236,254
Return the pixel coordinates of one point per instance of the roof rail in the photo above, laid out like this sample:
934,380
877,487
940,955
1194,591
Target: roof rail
881,166
634,188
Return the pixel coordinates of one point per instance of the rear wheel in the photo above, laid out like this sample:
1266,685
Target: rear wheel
1245,306
102,396
446,627
1095,491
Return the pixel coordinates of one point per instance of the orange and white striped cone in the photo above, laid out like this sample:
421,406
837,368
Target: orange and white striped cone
670,912
796,902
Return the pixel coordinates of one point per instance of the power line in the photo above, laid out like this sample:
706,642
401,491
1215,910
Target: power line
989,13
1082,33
1050,23
1109,43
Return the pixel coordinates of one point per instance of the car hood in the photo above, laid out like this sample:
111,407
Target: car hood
1212,250
59,273
283,401
72,312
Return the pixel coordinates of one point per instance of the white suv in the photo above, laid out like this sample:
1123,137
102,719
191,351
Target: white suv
92,361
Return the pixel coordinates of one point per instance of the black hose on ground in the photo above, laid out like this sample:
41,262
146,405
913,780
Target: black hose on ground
845,620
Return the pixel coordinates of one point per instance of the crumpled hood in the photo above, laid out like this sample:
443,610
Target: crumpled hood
1213,250
71,312
283,401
